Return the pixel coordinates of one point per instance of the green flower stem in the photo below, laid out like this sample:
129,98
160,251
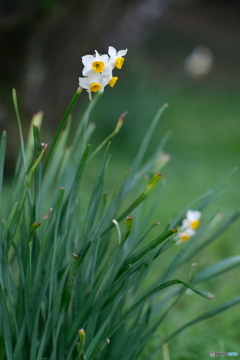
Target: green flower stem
14,96
63,122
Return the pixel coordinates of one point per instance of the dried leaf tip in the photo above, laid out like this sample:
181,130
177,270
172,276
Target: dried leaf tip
46,216
44,145
120,122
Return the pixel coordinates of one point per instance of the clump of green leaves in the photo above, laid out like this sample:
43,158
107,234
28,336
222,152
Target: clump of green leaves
73,278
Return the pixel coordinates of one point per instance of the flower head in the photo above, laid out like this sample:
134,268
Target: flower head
95,82
192,220
116,57
98,69
189,225
96,64
186,234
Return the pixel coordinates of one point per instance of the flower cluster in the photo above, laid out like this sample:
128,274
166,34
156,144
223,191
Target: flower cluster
189,225
98,69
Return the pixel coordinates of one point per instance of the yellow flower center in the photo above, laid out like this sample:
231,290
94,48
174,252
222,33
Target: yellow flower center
95,87
98,66
185,237
195,224
113,81
119,62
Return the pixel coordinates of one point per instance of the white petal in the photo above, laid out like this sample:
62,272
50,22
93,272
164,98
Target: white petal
185,224
104,58
106,79
197,215
112,51
107,70
190,232
87,70
87,59
84,83
193,215
122,52
94,77
112,62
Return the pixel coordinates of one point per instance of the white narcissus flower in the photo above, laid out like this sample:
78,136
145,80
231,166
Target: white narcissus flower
192,220
96,64
97,71
95,82
185,235
116,57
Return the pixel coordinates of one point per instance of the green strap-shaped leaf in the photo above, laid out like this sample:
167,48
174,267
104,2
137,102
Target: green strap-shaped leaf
109,137
149,187
43,339
58,212
70,282
217,269
14,96
83,124
37,121
75,185
145,251
79,172
57,308
97,340
118,231
198,291
2,158
38,172
52,277
28,294
6,326
20,341
147,138
57,163
80,344
34,338
80,316
62,124
11,228
96,197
